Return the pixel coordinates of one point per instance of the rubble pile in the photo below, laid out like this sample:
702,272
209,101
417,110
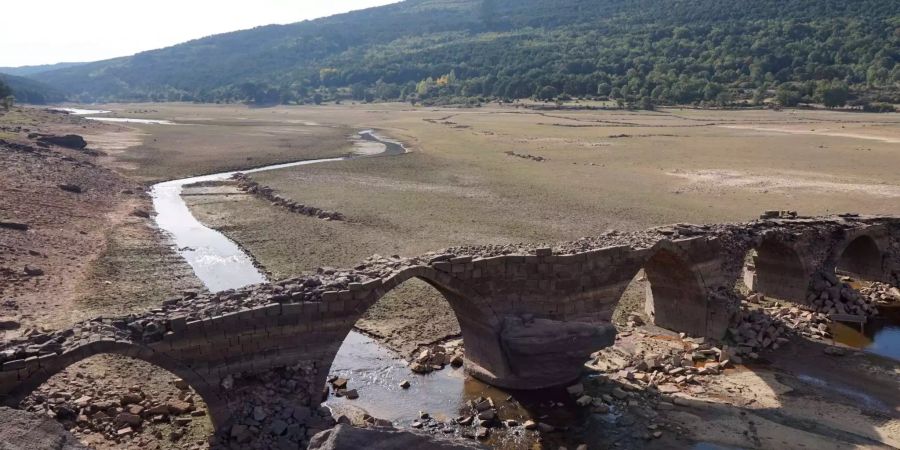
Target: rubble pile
246,184
476,421
757,329
668,370
436,357
830,295
881,294
271,410
85,406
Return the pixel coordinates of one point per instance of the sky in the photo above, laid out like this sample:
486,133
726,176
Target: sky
49,31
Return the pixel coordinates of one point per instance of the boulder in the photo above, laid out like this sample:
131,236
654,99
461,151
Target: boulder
74,188
13,225
345,437
72,141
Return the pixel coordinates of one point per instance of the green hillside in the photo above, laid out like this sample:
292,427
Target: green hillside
636,51
26,90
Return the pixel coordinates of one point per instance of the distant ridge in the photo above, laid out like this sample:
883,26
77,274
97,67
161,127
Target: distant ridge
639,52
24,71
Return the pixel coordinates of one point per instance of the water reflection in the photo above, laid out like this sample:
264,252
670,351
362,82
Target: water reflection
376,372
880,335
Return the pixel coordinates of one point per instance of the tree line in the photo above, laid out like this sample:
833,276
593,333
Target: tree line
636,53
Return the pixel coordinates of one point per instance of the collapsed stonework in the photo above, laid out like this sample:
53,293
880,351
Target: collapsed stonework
248,185
259,356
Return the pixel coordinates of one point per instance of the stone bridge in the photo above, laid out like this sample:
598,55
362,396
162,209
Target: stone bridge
529,315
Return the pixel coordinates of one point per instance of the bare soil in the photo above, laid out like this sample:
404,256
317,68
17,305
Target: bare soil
95,258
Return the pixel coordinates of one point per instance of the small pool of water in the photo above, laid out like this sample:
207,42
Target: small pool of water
376,372
880,335
81,112
130,120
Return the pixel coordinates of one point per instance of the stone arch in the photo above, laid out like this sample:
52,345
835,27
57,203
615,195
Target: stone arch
13,394
479,325
861,257
779,271
676,295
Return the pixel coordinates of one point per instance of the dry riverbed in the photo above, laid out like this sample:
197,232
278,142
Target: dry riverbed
464,182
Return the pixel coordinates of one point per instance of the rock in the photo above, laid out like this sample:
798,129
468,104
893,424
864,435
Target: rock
32,271
584,400
181,384
487,415
240,433
11,225
465,420
345,437
72,141
530,425
618,393
158,410
575,390
128,419
8,323
83,401
131,398
351,394
545,427
404,384
278,427
259,414
74,188
178,407
140,212
482,433
339,383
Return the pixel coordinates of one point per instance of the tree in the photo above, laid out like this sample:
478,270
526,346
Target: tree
832,94
547,93
787,95
317,99
5,90
7,102
488,13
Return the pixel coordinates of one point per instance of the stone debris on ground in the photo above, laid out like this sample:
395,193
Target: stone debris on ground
89,406
765,324
526,156
438,356
248,185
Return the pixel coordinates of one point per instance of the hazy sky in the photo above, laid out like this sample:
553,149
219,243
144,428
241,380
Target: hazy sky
50,31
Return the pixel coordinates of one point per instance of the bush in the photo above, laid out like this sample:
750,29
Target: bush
879,107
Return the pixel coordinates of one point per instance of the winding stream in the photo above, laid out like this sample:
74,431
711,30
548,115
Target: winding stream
374,370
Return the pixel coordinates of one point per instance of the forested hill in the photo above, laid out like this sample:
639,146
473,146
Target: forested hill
641,51
26,90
